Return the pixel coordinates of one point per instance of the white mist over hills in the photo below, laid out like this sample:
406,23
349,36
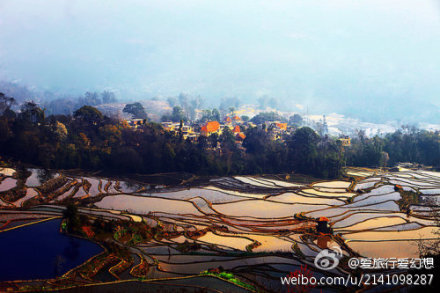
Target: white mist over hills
338,124
376,61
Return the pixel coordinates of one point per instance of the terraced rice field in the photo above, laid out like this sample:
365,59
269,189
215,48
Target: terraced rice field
256,227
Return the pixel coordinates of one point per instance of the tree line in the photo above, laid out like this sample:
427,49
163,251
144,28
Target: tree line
89,140
408,144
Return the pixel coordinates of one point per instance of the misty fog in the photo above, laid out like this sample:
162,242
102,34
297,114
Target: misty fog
372,60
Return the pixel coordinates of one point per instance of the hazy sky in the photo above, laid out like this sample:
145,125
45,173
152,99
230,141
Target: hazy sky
343,53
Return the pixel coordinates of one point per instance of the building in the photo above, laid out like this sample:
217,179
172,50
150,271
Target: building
281,126
188,132
277,129
236,119
170,126
345,141
240,136
135,123
323,226
209,128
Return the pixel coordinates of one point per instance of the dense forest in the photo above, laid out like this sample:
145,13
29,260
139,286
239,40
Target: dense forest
407,144
91,141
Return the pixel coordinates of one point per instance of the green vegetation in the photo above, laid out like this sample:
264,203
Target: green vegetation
296,120
88,115
67,106
267,116
309,153
71,216
228,277
176,116
89,140
188,246
137,110
408,198
297,250
52,184
408,144
210,115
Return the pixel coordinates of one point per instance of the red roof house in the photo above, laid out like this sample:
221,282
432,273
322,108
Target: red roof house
209,128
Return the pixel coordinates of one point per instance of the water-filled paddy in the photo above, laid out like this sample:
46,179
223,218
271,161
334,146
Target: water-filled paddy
238,243
374,223
7,171
334,193
386,249
209,193
36,178
264,209
423,233
145,205
354,218
290,197
7,184
40,251
223,221
30,193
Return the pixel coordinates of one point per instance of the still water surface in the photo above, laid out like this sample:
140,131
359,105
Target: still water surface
40,251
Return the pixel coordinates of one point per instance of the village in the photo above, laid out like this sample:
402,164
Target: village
235,124
277,129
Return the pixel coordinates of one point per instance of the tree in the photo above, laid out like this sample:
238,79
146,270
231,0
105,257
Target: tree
127,160
172,101
302,150
266,116
256,141
296,120
184,103
60,130
227,139
213,140
91,99
61,106
5,131
207,114
202,142
215,116
195,104
367,152
227,103
176,116
31,112
137,110
70,214
88,114
5,103
108,97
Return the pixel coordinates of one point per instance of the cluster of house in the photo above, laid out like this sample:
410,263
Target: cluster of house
235,124
345,141
135,123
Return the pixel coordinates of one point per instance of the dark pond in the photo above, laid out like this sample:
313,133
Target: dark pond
40,251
